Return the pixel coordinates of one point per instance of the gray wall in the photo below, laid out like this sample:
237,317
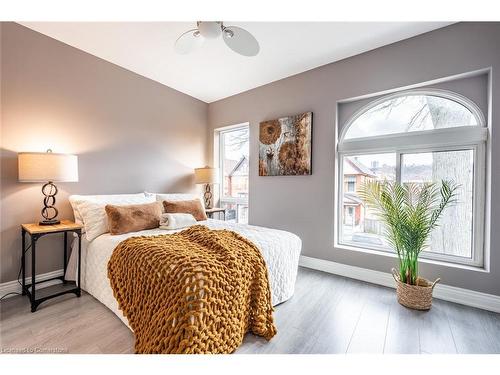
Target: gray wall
305,204
129,132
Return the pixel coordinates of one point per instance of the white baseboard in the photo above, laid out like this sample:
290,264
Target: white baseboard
15,287
445,292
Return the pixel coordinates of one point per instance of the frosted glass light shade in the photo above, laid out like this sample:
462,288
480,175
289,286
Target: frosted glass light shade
241,41
47,166
206,175
188,42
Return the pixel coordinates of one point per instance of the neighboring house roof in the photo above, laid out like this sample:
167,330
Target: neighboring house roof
359,167
352,199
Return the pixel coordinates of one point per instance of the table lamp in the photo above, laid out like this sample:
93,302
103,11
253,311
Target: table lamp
207,176
48,167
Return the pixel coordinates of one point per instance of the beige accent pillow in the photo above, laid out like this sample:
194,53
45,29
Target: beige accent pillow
133,218
193,207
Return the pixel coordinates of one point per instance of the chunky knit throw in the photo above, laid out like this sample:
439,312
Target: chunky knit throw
195,291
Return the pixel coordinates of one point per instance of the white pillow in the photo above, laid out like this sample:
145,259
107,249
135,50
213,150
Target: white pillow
174,197
89,210
74,200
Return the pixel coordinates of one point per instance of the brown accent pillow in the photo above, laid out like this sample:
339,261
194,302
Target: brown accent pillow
192,207
133,218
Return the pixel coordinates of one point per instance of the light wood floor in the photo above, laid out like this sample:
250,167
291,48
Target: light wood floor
328,314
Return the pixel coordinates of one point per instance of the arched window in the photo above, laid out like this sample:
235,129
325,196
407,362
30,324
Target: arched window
417,136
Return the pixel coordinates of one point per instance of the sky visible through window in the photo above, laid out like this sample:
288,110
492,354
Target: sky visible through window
410,113
236,144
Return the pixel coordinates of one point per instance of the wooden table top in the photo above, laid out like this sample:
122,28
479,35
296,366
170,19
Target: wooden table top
35,228
214,209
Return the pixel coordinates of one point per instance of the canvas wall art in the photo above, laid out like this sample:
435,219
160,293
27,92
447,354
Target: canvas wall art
285,146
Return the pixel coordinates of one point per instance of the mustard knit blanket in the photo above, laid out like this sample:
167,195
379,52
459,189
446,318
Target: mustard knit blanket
195,291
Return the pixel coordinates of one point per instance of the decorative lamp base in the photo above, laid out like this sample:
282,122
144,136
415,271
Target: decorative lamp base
49,211
208,196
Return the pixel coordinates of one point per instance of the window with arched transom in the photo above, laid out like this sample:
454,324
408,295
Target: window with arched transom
417,136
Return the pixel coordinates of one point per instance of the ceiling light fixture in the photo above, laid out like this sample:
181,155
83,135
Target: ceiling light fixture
237,39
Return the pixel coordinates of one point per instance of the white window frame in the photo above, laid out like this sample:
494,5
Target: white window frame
219,160
473,138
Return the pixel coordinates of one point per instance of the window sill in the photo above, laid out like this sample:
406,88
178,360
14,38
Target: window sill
421,260
234,200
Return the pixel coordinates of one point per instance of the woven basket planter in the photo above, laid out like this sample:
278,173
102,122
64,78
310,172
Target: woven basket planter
418,297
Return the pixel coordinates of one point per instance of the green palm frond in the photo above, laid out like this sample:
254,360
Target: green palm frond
409,213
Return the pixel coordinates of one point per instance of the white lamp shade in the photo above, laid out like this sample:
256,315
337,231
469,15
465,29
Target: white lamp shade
206,175
47,166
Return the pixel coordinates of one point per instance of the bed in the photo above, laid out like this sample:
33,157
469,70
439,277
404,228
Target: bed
280,250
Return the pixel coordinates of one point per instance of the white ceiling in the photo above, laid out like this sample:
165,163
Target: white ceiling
214,71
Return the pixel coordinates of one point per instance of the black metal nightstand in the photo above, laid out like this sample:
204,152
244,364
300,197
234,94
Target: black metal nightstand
211,211
36,231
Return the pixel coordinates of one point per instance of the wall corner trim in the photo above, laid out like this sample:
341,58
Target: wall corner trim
14,287
445,292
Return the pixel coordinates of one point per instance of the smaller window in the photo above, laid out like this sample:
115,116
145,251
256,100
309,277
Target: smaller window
351,183
233,164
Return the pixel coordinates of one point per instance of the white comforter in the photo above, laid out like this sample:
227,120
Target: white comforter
280,250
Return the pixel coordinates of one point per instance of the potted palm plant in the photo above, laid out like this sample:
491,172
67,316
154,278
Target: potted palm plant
409,213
